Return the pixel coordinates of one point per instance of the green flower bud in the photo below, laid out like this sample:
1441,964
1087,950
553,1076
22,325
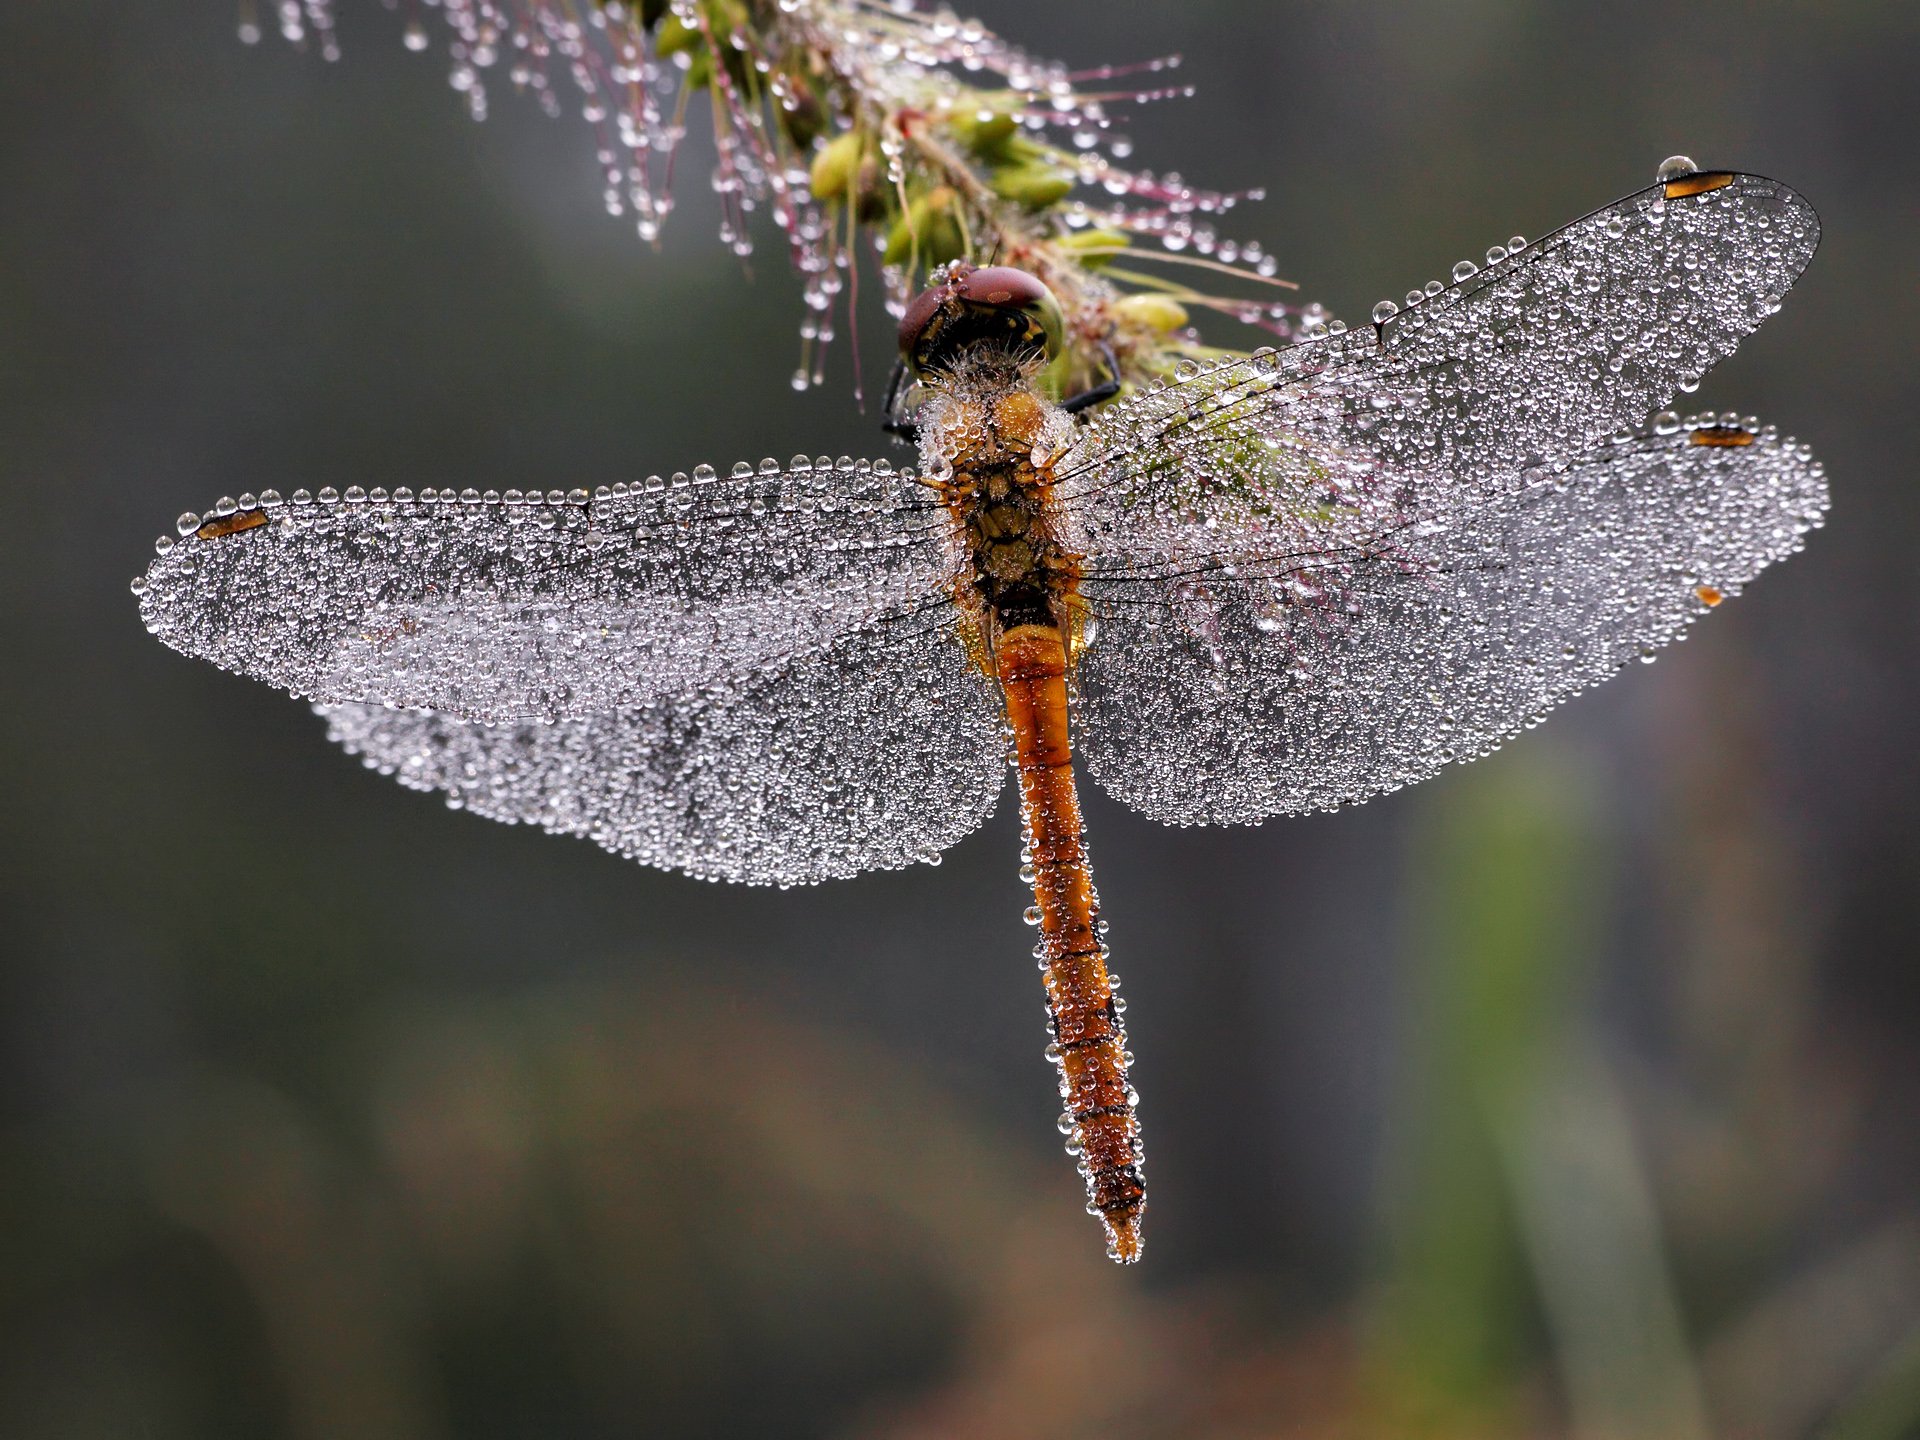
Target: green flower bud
1034,185
985,131
1078,242
836,165
1156,312
673,36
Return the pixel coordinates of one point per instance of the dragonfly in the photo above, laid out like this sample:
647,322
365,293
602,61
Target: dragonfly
1278,583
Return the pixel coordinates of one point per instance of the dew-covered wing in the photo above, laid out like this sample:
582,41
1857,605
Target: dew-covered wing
1308,678
1530,358
544,606
881,750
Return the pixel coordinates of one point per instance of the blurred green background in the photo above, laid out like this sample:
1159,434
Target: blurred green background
1572,1093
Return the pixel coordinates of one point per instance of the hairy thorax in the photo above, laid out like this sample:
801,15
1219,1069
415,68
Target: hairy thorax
999,442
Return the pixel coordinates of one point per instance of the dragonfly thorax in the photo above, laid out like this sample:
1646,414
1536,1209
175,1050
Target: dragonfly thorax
988,432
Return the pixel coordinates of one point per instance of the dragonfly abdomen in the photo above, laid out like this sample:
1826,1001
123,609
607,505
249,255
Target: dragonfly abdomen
1089,1041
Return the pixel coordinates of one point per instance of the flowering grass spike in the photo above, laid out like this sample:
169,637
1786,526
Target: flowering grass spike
875,132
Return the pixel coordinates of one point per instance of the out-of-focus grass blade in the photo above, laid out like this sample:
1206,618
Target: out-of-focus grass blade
1888,1407
1519,1204
1502,881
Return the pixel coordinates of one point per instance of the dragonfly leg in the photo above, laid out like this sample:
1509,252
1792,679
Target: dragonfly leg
893,421
1105,390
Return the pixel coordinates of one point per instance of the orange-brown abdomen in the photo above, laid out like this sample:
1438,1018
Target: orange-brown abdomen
1089,1041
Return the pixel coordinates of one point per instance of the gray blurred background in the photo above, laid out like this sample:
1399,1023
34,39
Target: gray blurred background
1571,1093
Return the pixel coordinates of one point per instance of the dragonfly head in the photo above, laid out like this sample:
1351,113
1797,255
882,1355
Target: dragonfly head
992,307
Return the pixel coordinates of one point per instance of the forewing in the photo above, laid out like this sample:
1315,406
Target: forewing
507,607
1306,679
1525,361
883,749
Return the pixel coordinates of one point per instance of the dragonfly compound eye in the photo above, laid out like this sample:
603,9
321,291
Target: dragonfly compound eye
995,306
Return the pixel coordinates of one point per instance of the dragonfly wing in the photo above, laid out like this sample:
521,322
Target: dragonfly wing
500,608
1526,361
881,750
1232,690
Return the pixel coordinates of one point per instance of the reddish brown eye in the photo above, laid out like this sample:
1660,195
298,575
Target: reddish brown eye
1002,286
920,313
996,307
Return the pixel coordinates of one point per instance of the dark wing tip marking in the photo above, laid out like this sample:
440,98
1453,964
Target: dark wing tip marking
1698,183
231,524
1721,435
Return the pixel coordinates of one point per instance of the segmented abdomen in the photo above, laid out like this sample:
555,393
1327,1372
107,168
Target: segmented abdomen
1089,1042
